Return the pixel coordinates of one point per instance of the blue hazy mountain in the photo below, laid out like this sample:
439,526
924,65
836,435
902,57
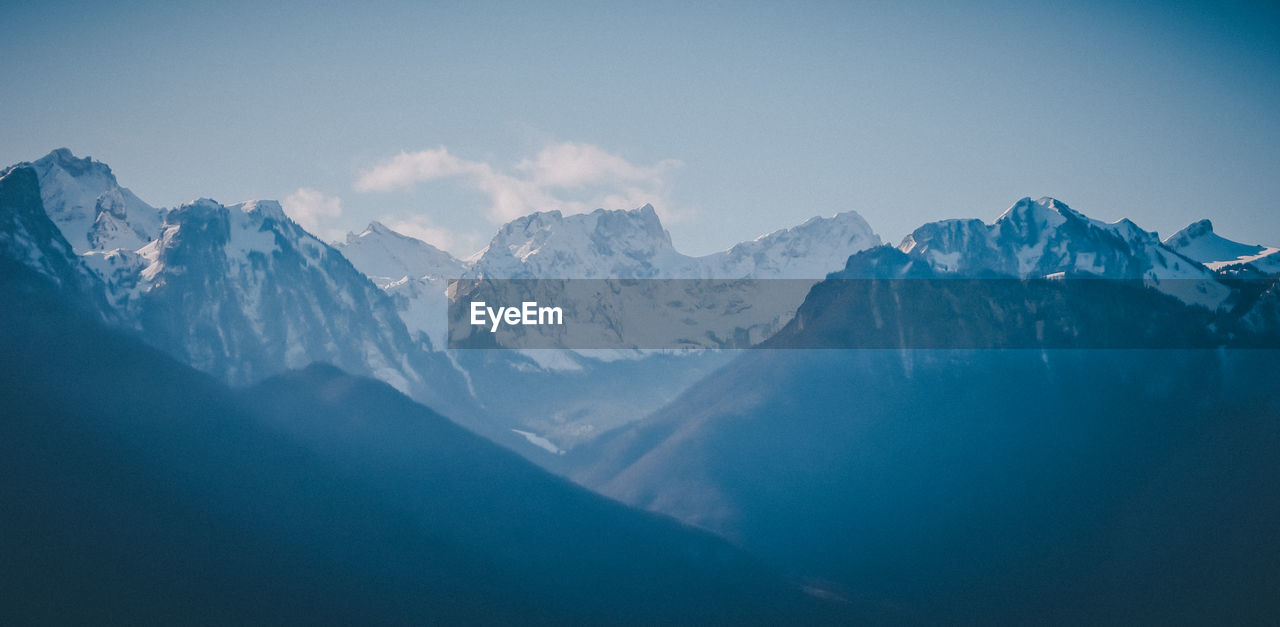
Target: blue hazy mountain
140,490
242,292
928,485
980,485
562,398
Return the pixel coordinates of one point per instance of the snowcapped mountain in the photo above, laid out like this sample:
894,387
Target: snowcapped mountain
241,292
386,256
610,244
811,250
597,245
570,397
634,245
102,223
1199,242
90,207
28,239
414,273
601,244
244,292
1038,238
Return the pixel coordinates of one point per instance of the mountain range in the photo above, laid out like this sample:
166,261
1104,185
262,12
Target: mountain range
170,429
979,485
138,489
244,293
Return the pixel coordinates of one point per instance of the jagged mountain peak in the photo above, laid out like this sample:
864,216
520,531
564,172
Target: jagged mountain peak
820,223
263,208
1042,237
243,292
1045,209
1027,217
884,262
634,244
387,256
611,221
808,250
75,166
600,244
1198,241
83,197
375,228
201,203
1196,229
29,238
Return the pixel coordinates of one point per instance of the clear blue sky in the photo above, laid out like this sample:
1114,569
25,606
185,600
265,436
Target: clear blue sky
737,118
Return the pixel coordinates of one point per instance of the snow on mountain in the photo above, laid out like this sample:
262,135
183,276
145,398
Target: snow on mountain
601,244
808,251
243,292
611,387
30,240
1199,242
633,244
597,245
90,207
414,273
422,304
1046,237
386,256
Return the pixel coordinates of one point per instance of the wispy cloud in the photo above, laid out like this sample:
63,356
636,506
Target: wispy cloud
571,165
311,209
572,177
407,168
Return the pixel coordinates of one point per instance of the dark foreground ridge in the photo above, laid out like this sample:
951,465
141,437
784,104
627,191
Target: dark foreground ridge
138,490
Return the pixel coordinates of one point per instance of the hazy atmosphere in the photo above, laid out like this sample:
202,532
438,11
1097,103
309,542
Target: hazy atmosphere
822,313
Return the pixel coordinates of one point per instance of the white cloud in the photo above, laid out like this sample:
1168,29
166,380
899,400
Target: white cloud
572,164
310,208
407,168
571,177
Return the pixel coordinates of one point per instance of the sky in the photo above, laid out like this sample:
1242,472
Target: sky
444,120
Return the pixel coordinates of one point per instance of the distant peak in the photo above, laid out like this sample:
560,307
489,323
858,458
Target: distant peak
203,203
645,211
1045,206
63,156
377,228
1199,241
1199,228
541,216
73,165
1021,207
645,219
265,208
